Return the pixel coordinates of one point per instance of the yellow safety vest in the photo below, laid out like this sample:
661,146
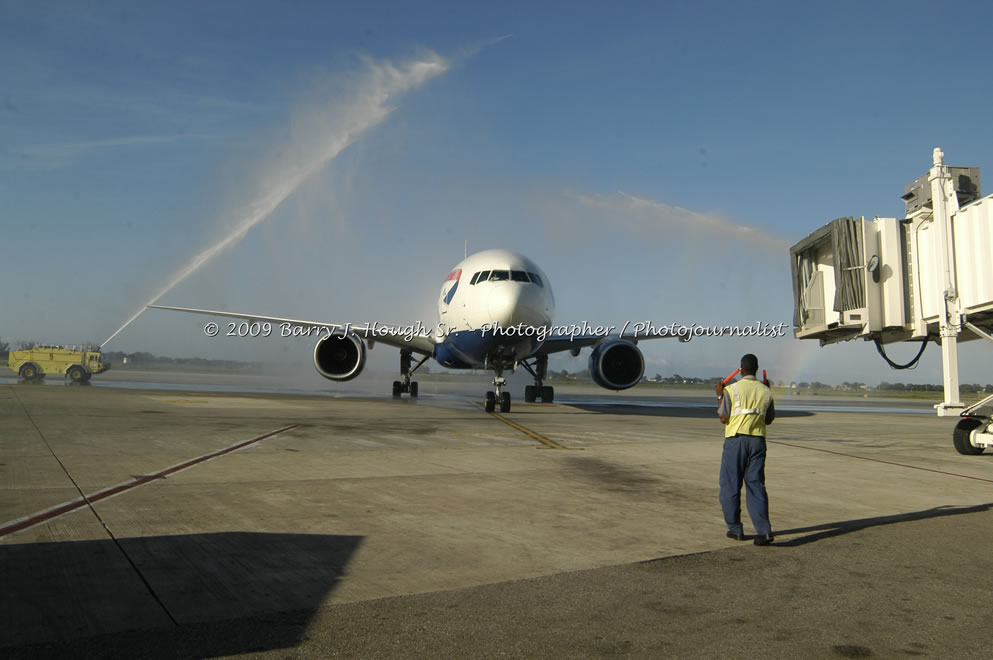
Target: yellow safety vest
750,400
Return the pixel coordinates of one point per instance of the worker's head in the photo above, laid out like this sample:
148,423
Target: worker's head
749,365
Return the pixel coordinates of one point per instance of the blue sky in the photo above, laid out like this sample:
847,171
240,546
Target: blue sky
135,135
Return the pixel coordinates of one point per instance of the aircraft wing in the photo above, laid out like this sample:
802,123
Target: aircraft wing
558,342
416,343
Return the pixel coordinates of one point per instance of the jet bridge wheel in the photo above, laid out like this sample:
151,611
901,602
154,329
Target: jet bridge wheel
960,436
490,402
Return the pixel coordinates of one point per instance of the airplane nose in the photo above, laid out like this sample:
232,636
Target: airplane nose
512,303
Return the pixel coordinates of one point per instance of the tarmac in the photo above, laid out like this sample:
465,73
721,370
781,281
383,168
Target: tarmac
265,525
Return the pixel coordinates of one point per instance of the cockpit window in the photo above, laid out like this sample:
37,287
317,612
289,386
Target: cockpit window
504,275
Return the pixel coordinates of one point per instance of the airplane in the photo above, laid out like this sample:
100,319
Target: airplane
495,313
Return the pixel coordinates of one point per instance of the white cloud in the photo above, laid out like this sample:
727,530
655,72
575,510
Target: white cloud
63,152
641,215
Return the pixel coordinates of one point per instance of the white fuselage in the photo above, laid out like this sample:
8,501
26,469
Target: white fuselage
491,290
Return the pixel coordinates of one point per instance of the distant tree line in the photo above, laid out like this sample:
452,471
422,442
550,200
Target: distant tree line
676,379
143,359
848,386
565,374
964,388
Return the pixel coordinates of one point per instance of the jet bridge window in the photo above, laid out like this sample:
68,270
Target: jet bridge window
481,276
519,276
499,276
537,280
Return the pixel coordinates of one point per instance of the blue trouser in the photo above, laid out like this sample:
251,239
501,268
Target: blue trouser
743,460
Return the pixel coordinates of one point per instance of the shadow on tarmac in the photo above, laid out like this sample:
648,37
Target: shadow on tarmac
150,588
827,530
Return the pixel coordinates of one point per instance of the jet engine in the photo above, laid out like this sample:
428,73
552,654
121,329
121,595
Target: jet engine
340,356
616,364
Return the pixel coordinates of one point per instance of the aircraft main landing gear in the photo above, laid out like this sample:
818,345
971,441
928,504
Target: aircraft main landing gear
538,391
534,392
405,385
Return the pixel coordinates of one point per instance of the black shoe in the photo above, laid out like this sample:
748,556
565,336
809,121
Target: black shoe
763,539
737,536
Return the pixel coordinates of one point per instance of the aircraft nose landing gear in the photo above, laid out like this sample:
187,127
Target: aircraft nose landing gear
492,397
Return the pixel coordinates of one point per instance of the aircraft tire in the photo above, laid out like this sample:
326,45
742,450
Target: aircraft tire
490,402
397,389
960,436
505,402
413,389
547,394
529,396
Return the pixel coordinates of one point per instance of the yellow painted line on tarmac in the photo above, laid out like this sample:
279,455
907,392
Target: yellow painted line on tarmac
534,435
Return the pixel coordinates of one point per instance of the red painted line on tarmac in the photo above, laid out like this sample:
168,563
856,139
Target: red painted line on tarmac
879,460
64,508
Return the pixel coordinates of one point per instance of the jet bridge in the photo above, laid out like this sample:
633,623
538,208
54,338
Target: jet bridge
927,278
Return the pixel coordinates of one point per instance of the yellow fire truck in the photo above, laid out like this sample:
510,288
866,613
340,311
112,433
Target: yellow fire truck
78,365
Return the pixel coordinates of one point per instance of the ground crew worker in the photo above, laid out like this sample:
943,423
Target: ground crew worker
745,409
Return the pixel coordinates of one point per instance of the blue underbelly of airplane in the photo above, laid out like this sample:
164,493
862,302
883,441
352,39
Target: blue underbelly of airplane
470,349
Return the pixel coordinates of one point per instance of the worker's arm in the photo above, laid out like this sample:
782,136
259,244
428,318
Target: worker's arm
724,409
770,414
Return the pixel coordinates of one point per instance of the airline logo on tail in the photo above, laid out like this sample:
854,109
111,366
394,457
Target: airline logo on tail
451,284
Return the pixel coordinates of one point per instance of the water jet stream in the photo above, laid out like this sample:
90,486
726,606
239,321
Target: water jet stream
384,82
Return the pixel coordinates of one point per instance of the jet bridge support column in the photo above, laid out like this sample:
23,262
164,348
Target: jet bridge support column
945,204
